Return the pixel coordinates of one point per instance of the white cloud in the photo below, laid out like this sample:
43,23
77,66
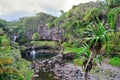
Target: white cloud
70,3
34,6
9,6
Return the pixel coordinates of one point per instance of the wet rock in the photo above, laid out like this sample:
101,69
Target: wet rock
68,71
35,75
36,71
68,56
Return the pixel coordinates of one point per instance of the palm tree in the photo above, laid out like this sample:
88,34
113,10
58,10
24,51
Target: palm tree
97,39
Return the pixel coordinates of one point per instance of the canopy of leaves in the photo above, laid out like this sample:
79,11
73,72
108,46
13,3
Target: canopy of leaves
3,25
34,21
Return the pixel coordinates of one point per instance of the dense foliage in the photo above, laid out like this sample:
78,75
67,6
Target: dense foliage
112,16
12,66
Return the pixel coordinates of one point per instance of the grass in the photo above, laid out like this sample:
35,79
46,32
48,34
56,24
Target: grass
78,61
115,61
43,43
72,49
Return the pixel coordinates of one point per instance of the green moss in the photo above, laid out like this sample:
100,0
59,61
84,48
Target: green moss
72,49
115,61
44,43
78,61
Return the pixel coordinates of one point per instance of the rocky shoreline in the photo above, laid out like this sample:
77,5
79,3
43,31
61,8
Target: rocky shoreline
61,70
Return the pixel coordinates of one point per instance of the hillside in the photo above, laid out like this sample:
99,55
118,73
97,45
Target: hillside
88,35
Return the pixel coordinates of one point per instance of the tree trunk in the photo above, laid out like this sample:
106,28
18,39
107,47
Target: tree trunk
92,55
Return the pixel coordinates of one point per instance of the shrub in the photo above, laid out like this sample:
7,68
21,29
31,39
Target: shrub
113,45
36,36
112,16
78,61
91,14
23,40
12,66
4,40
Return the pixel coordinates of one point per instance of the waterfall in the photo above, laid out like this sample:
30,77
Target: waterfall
33,52
14,38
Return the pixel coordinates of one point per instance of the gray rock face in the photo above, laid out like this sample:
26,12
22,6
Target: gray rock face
29,33
65,71
118,23
62,70
53,34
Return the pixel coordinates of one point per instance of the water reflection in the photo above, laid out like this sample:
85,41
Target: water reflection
35,55
45,76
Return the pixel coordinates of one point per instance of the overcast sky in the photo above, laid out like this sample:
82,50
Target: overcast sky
13,9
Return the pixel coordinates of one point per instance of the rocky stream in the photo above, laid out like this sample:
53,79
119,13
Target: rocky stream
49,65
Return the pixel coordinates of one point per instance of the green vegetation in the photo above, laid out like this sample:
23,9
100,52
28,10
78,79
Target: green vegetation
95,42
78,61
91,14
113,3
72,49
33,22
86,30
114,43
115,61
12,66
36,36
3,25
112,16
44,43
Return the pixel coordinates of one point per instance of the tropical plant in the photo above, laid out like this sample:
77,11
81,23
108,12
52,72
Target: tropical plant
96,41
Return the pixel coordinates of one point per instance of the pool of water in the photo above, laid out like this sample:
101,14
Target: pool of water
45,76
38,57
